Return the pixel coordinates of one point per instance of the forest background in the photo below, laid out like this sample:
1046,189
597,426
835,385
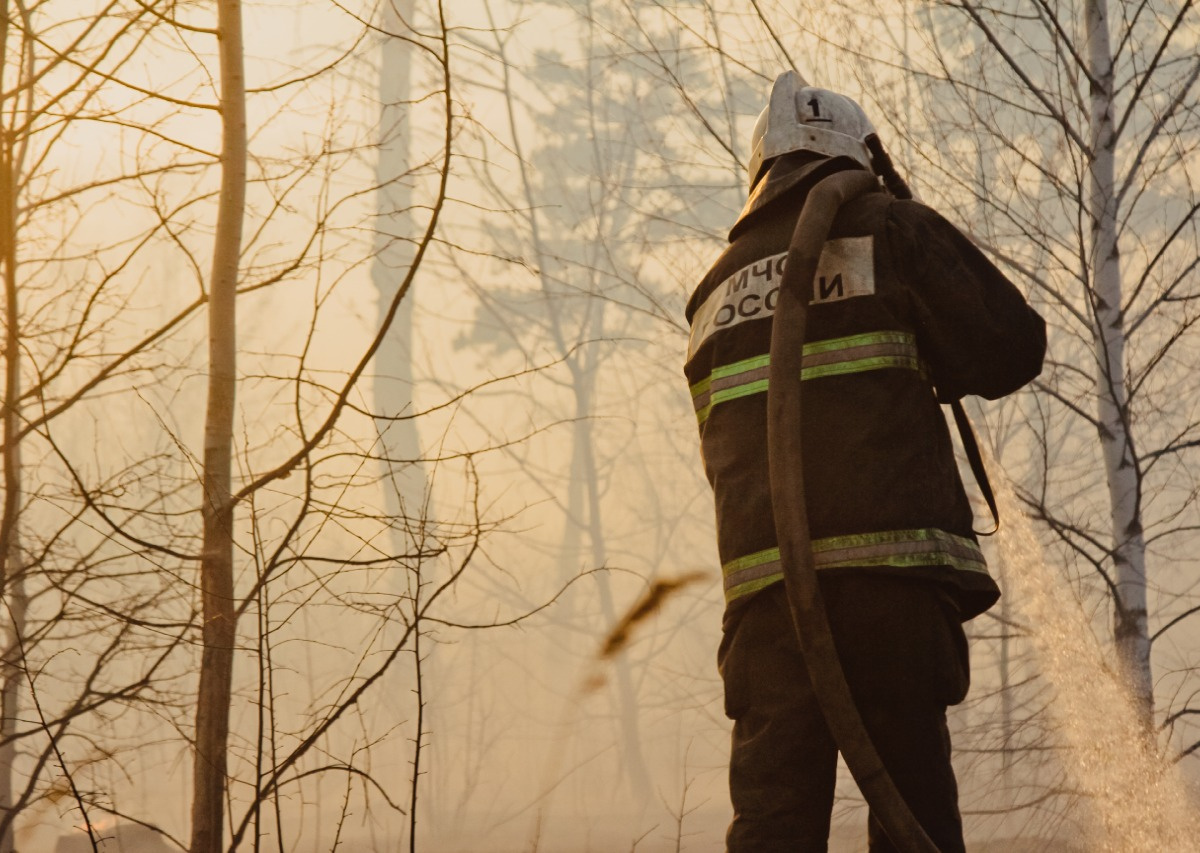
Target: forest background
344,413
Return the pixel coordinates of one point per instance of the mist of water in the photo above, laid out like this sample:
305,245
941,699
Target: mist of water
1137,800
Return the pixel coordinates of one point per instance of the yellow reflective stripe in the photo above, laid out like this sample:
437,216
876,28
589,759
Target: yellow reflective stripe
859,353
730,381
744,589
742,366
832,357
751,573
898,548
860,365
756,386
860,340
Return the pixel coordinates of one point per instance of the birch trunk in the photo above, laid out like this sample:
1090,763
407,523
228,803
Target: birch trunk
1124,486
216,567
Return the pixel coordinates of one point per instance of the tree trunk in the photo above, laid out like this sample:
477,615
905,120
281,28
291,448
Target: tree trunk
583,511
584,467
10,688
1124,486
585,369
216,567
404,484
10,569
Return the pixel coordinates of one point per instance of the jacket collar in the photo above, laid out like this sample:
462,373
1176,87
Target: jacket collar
790,174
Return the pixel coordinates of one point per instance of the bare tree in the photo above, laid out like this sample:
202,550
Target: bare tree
218,625
1105,240
55,59
114,549
585,240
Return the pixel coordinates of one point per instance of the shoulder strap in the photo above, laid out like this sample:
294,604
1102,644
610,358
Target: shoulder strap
975,458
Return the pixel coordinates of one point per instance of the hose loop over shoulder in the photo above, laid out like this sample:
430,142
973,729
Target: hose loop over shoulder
791,518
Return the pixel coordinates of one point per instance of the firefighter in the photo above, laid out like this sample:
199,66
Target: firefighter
905,313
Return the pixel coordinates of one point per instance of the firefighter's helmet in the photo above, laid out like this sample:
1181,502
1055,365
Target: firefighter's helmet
800,117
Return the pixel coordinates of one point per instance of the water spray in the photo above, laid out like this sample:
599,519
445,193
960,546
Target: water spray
1137,801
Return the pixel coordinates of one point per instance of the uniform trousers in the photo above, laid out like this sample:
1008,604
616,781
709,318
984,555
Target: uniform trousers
904,653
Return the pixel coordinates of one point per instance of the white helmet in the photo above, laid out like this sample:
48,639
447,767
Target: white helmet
804,118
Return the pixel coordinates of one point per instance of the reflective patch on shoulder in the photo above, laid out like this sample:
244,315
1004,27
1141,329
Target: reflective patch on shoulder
845,269
748,294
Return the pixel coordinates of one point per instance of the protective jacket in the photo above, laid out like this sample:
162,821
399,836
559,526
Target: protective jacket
905,312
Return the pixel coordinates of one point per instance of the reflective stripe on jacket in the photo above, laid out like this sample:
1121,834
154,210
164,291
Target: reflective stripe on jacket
892,548
852,354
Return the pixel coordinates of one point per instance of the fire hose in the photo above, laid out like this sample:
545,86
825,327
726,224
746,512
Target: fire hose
784,453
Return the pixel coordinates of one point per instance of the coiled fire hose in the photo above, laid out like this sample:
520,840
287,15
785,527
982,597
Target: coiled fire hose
791,517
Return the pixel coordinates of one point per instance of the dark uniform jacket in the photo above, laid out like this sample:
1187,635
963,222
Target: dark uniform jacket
905,312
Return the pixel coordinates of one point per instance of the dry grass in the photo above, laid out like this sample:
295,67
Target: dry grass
650,602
